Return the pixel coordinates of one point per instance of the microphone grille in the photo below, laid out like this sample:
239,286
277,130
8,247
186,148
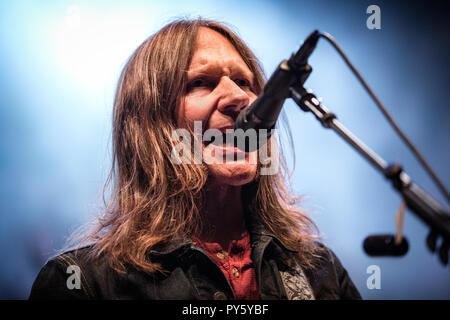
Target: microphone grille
384,245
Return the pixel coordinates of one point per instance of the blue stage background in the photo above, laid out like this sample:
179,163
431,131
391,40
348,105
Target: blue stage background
60,61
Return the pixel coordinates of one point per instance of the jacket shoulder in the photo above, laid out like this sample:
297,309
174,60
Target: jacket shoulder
67,276
329,279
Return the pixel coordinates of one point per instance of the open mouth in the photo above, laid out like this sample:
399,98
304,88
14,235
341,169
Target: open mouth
227,138
224,146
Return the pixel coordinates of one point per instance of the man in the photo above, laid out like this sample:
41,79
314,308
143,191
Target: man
193,230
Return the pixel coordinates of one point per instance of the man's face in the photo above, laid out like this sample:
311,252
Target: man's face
219,87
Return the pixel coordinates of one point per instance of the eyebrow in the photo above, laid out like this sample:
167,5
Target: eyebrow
213,68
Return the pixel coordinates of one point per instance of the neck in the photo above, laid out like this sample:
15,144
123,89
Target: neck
223,215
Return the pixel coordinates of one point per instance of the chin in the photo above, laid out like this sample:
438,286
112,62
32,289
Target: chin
233,174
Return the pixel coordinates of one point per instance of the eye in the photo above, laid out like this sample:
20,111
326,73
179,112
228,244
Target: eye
197,83
243,82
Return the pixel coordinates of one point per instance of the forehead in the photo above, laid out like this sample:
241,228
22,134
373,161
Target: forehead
213,50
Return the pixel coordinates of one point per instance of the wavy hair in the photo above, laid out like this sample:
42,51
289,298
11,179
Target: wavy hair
155,201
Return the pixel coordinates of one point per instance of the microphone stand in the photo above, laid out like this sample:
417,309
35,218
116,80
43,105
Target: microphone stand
416,199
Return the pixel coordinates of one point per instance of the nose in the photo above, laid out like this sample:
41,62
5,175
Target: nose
232,98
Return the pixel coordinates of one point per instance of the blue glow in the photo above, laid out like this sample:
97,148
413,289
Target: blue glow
60,62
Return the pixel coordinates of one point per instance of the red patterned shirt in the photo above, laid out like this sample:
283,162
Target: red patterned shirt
236,265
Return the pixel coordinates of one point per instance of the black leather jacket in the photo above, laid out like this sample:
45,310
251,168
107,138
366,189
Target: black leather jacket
193,275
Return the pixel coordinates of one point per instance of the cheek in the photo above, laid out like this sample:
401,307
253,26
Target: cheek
194,109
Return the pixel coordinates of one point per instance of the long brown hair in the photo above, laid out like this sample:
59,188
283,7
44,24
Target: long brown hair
152,199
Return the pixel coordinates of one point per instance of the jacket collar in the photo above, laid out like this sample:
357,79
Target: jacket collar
259,237
258,232
170,247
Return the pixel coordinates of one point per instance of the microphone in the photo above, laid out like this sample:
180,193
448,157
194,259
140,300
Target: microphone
384,245
264,112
